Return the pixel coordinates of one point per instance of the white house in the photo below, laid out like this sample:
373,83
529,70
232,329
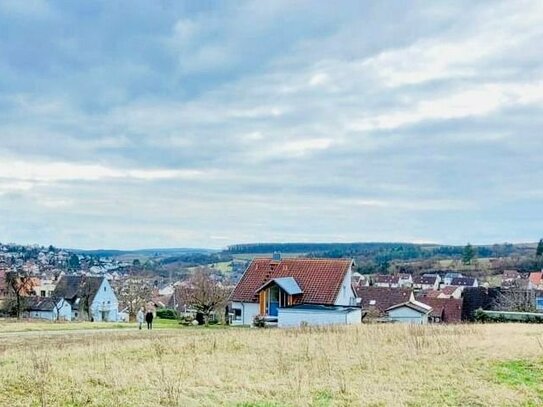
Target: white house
90,297
51,309
386,280
411,312
426,282
295,292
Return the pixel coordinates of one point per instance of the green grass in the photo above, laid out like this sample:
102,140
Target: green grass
525,376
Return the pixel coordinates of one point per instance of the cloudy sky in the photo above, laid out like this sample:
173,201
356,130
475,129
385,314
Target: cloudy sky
130,124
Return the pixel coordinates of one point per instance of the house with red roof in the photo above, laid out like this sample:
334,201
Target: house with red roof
296,291
386,280
536,281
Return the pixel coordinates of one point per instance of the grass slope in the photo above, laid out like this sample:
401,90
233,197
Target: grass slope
371,365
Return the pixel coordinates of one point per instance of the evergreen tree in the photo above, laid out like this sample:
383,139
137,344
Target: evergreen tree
539,251
469,254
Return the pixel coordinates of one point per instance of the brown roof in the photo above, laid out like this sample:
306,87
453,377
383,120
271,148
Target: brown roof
319,279
384,297
463,281
452,307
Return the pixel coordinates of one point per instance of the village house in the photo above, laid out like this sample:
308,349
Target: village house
447,279
386,280
426,282
405,280
48,308
410,312
295,292
535,281
464,282
375,301
444,310
90,297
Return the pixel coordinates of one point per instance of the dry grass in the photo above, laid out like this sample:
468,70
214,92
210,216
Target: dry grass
378,365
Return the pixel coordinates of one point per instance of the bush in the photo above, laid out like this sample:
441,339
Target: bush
167,313
259,321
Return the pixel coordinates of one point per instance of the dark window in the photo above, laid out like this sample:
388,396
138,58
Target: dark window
237,314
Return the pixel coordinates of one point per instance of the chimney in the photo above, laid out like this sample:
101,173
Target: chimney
276,256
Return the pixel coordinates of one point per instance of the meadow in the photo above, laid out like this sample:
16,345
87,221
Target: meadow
367,365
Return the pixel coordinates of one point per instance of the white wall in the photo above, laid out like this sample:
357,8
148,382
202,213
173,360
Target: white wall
292,317
105,299
248,311
346,294
407,315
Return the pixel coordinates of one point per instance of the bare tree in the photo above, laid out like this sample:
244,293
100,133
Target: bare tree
515,300
134,294
202,293
19,284
58,304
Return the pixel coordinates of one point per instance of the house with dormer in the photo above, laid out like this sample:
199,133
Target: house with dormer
295,292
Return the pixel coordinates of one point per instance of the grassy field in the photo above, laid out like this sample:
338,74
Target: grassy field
12,326
370,365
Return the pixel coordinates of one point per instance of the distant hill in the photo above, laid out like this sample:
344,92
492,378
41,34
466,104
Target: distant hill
160,252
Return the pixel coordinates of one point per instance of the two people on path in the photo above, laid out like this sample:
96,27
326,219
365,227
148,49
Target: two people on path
146,316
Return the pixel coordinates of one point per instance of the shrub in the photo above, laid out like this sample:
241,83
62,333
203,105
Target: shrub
167,313
259,321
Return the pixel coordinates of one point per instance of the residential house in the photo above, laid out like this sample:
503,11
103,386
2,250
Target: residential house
539,301
376,300
90,297
535,281
294,292
410,312
447,280
445,310
405,280
464,282
48,308
360,279
386,280
426,282
44,287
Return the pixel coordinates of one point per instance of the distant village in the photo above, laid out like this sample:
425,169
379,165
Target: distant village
46,283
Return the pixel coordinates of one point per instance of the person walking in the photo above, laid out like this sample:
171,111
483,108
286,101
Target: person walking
149,319
140,317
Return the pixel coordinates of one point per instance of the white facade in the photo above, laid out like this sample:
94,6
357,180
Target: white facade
346,296
408,315
64,312
247,311
295,317
105,307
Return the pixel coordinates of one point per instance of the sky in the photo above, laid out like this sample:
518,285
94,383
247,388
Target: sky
133,124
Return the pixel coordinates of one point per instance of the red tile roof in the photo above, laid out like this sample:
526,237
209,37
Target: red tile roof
426,280
536,277
319,279
452,307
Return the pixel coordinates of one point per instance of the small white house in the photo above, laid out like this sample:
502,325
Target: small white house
90,297
411,312
295,292
47,308
426,282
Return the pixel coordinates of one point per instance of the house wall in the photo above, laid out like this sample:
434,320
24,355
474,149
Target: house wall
407,315
248,311
105,300
65,313
46,315
292,317
346,294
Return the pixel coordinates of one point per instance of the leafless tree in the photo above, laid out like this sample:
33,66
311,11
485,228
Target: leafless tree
134,294
515,300
202,293
58,304
19,284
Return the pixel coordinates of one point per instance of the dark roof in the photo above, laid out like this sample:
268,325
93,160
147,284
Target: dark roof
384,297
427,280
386,279
463,281
451,307
72,287
40,304
319,279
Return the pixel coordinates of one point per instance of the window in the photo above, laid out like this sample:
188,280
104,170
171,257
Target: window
372,302
237,314
43,293
105,288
